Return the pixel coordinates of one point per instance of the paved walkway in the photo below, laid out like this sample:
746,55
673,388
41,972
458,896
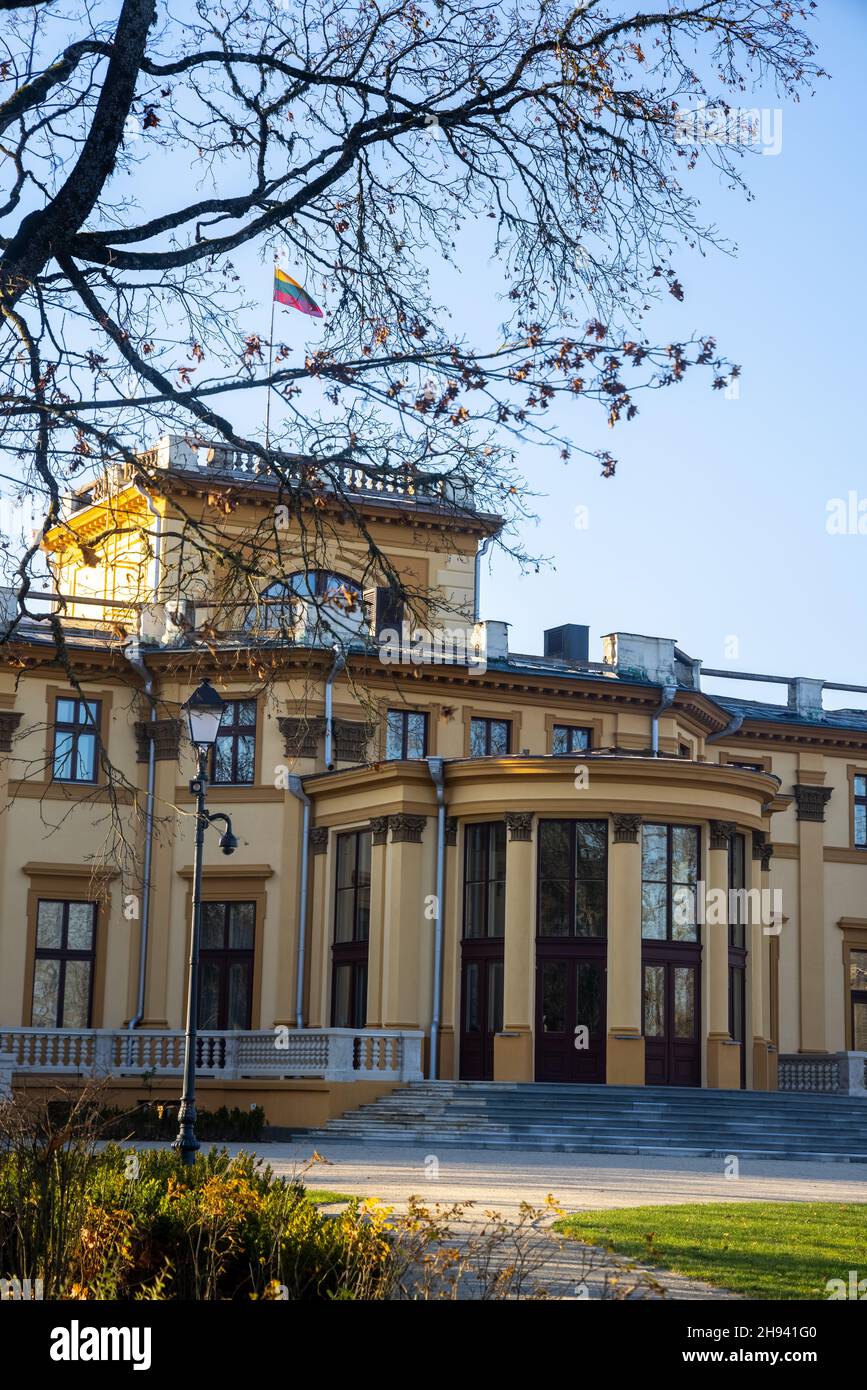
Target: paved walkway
502,1181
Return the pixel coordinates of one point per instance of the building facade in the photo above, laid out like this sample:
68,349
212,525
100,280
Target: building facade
454,858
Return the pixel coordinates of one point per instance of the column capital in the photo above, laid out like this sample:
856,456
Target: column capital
762,849
165,734
520,824
406,830
379,829
301,736
319,839
626,829
721,832
451,830
811,801
9,721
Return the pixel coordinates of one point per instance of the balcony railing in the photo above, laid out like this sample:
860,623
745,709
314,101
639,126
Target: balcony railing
332,1054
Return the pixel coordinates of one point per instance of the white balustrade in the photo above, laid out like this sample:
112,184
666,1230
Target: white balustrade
334,1054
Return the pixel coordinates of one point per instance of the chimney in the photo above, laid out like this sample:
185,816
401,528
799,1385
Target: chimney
639,658
805,697
571,642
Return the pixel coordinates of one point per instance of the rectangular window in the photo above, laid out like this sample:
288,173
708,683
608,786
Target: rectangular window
490,738
234,756
351,930
226,953
573,877
859,808
737,883
75,729
406,734
64,964
858,999
669,875
567,739
485,880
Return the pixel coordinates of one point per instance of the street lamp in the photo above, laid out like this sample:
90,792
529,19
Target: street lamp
204,713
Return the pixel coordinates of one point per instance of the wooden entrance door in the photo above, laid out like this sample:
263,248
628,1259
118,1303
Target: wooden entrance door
570,1011
481,1008
672,1015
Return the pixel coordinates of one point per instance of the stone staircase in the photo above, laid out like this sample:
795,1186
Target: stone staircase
675,1121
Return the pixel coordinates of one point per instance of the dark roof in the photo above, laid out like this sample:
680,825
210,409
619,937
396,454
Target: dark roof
781,714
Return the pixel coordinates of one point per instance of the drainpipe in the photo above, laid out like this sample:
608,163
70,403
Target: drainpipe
339,663
667,701
296,787
732,727
436,772
136,661
482,550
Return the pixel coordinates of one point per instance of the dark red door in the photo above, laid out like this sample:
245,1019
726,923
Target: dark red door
672,1014
481,1008
570,1011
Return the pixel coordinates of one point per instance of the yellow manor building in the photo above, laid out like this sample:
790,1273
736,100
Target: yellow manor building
454,860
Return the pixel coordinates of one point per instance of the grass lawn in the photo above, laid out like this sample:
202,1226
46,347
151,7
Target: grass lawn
758,1249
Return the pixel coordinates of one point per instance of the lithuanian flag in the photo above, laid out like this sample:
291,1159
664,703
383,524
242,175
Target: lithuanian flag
288,291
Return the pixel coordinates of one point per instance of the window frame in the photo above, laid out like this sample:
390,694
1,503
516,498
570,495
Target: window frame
228,955
573,880
489,720
670,827
570,729
236,731
404,715
488,880
64,954
355,952
857,799
91,725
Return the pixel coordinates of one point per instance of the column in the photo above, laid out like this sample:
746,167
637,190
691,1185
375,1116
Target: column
378,838
165,899
452,923
513,1048
317,1012
406,926
759,1023
624,1053
811,801
723,1055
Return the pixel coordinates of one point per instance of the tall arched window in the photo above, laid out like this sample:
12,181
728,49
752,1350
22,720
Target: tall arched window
311,606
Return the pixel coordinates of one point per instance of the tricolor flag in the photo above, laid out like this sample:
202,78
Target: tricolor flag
288,291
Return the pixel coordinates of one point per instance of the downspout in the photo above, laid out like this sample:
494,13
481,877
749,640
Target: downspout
339,663
732,727
482,550
137,662
667,701
296,787
436,772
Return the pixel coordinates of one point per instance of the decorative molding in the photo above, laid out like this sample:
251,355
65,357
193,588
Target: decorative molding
406,830
165,734
301,736
721,832
318,839
766,856
451,830
626,829
812,801
379,829
9,721
350,740
760,844
520,824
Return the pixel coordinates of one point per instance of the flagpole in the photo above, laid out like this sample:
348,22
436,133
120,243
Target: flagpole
270,360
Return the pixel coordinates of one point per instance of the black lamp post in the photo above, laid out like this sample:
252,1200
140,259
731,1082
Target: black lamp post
204,712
